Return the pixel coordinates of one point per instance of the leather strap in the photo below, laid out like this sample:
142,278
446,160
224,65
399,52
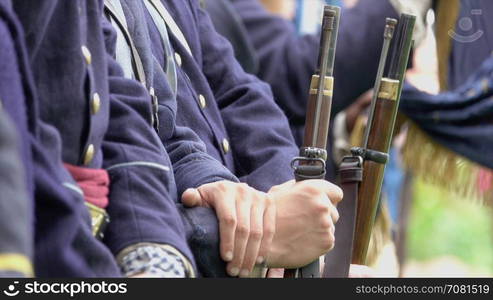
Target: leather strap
338,260
170,66
138,66
173,27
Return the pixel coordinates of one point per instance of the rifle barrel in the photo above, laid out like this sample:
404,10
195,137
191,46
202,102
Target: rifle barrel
311,162
325,64
387,38
379,136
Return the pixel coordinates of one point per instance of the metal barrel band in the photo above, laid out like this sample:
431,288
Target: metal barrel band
328,85
389,89
313,152
371,155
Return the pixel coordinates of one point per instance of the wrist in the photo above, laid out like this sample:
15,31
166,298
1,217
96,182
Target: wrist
278,255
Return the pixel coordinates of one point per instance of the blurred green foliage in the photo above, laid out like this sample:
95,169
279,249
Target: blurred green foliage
442,225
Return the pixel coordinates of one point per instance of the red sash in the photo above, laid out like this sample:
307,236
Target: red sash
93,182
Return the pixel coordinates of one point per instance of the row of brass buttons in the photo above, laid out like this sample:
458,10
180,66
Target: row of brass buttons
203,104
95,107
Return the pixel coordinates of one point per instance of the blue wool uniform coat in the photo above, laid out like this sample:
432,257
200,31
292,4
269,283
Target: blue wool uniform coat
102,119
15,205
62,234
191,164
232,112
16,198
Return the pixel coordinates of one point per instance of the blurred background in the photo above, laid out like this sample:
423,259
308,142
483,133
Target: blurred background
444,235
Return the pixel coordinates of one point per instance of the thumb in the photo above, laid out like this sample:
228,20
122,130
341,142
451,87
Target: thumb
191,198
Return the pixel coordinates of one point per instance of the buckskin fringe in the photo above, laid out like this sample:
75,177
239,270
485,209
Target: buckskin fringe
440,166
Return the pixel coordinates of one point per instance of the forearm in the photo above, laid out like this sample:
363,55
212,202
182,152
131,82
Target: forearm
143,195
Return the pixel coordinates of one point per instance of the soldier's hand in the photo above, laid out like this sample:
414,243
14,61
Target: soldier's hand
246,222
306,214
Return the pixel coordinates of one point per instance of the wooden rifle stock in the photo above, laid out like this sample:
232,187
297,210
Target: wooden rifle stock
311,162
378,135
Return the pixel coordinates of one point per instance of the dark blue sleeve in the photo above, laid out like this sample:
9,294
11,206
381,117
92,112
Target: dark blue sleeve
65,246
142,203
460,119
192,165
261,140
16,186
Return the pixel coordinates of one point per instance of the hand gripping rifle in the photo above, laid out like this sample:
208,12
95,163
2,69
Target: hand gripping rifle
338,260
313,154
373,156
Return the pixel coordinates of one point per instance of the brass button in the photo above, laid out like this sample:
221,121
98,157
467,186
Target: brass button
87,54
95,103
178,59
202,101
225,145
89,154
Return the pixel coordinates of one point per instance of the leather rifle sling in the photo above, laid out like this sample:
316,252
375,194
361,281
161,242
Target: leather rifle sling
338,260
136,60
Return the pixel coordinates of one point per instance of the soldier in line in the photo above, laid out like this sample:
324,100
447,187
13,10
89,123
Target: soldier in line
16,198
100,122
134,50
231,111
58,228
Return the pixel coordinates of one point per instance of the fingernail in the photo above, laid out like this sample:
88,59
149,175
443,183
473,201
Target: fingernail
260,260
234,271
189,190
229,256
244,273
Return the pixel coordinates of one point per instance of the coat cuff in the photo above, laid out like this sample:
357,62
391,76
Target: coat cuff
156,260
16,264
141,211
200,172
